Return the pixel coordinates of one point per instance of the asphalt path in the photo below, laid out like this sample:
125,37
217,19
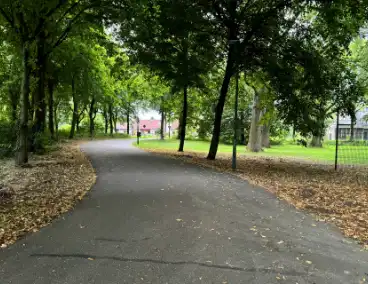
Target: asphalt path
152,219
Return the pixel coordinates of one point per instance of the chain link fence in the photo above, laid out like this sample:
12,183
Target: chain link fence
351,141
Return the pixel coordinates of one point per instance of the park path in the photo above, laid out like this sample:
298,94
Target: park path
151,219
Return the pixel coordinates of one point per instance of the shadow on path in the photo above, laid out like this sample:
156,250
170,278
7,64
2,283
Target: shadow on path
140,260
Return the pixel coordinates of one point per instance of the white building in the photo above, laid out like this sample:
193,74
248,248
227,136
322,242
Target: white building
360,127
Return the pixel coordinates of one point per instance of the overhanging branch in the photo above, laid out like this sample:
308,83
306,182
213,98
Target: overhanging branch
7,18
48,14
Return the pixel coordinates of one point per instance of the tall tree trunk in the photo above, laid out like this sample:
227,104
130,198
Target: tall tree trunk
319,130
184,119
31,105
51,108
106,119
91,114
242,129
128,119
266,135
111,119
78,123
316,141
179,127
162,129
56,121
255,133
352,123
75,112
39,103
220,105
230,68
115,120
22,143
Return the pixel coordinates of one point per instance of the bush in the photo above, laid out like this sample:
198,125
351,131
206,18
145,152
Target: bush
43,141
277,140
63,133
8,138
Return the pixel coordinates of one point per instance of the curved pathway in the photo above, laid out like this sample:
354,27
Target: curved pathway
151,219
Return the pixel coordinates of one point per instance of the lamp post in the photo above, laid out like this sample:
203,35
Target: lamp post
235,139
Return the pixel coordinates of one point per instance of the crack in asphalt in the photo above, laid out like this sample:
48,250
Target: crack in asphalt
156,261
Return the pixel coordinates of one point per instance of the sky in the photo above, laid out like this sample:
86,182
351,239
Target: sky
148,114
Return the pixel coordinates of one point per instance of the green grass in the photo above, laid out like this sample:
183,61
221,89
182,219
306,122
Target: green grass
347,154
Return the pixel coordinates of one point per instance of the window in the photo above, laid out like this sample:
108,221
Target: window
344,133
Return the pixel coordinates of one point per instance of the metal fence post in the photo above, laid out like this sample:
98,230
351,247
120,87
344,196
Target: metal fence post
337,139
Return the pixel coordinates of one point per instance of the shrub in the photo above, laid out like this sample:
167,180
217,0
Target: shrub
43,141
277,140
8,138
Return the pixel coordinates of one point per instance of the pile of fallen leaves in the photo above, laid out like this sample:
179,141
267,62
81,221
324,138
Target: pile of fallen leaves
339,196
33,196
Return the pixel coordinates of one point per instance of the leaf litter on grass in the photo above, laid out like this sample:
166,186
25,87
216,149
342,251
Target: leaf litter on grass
340,197
50,186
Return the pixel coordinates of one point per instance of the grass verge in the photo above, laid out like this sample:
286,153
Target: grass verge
348,154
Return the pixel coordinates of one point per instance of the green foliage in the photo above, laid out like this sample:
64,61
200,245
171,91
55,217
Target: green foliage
278,132
294,50
170,45
43,141
7,138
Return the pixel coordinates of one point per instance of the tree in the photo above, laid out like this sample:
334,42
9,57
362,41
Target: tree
38,27
261,28
172,40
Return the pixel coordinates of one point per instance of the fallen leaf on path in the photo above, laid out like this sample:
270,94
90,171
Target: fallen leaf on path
49,187
340,197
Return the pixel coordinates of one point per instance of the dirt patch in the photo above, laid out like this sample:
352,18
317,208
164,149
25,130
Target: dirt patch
35,195
339,196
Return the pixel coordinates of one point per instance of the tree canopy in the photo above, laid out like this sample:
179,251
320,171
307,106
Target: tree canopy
94,63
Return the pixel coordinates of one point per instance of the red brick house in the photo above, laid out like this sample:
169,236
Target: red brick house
148,127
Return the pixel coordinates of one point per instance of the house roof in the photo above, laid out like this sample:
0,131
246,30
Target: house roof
360,122
149,124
